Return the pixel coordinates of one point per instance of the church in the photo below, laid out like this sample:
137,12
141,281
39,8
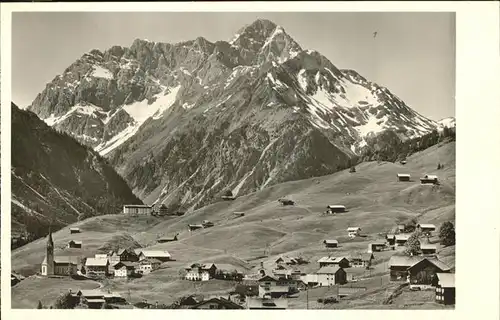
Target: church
57,266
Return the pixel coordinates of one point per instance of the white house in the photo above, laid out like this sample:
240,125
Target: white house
124,269
332,275
197,275
149,264
353,231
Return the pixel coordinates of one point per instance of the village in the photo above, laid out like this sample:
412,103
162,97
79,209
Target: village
409,264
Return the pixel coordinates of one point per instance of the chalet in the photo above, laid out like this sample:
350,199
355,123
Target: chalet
124,255
75,244
239,214
266,304
167,238
286,202
137,209
401,239
422,274
353,231
74,230
124,269
332,275
331,243
391,239
62,266
192,227
361,260
445,288
428,248
426,227
273,287
399,264
376,246
429,179
217,304
207,224
403,177
417,270
342,262
97,266
94,298
161,255
336,208
200,272
147,265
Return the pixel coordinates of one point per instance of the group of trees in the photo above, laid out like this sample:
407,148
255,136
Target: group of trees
446,238
233,275
395,149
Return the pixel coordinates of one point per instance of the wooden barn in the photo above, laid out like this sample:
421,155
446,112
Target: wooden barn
331,243
428,248
165,239
403,177
426,227
445,288
75,244
376,246
429,179
422,274
192,227
74,230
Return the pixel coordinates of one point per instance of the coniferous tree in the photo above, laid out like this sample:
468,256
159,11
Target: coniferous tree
447,234
40,305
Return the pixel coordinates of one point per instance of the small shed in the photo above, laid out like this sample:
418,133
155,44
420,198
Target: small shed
429,179
331,243
168,238
74,230
207,224
239,214
404,177
192,227
336,208
400,239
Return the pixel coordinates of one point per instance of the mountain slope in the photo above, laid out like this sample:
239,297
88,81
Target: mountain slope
184,122
56,180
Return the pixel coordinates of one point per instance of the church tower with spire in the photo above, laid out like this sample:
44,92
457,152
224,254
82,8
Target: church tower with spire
48,262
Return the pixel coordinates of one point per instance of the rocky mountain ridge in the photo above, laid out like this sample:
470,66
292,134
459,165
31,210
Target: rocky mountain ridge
184,122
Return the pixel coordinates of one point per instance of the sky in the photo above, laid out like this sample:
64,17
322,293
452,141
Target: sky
413,54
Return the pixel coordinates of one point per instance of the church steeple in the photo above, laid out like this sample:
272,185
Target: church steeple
48,267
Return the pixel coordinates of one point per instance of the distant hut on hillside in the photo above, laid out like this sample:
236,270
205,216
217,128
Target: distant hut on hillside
403,162
207,224
286,202
331,243
168,238
403,177
74,230
228,196
239,214
429,179
335,208
192,227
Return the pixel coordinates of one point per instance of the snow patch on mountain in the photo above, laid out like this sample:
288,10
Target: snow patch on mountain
100,72
82,109
447,122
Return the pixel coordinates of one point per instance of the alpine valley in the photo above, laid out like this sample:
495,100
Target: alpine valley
183,123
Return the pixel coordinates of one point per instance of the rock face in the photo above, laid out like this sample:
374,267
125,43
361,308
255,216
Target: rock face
184,122
57,181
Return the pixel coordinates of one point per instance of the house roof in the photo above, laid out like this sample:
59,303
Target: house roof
75,241
404,261
331,259
137,206
403,175
156,254
220,301
259,303
197,225
74,228
267,278
286,259
426,225
150,260
328,270
63,260
390,236
403,236
378,243
439,264
429,176
171,237
335,206
446,280
96,262
365,256
353,228
428,246
127,264
91,293
331,241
